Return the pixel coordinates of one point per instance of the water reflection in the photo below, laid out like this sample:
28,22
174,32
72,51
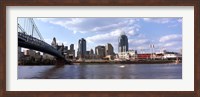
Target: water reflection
99,71
50,73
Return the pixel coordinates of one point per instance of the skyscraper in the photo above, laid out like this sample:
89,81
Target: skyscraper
65,49
71,52
54,44
81,48
123,43
72,47
100,51
91,52
109,49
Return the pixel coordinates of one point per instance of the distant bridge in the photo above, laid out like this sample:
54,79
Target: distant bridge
30,37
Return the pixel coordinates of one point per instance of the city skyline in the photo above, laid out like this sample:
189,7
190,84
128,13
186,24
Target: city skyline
165,33
96,48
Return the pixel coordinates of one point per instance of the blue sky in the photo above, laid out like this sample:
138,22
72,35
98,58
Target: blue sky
163,33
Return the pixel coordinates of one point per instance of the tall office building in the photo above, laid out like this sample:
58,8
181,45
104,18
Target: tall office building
71,52
65,49
91,52
81,48
60,48
100,51
123,43
109,49
72,47
54,44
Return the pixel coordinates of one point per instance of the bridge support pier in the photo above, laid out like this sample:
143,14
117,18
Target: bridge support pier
60,61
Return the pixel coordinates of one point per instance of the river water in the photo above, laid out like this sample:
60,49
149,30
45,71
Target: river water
102,71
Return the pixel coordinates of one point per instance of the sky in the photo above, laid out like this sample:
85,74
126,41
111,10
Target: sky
163,33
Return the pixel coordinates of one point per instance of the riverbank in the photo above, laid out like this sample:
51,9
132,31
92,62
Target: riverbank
85,62
127,62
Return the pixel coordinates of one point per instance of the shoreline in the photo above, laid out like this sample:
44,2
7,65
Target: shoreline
113,62
130,62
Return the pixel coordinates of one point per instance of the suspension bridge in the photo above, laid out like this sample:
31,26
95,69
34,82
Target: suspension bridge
30,37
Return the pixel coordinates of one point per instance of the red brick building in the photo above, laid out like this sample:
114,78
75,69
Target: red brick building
143,56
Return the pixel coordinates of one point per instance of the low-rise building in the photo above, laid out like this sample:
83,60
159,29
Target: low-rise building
20,54
129,55
144,56
38,56
47,56
69,54
172,55
30,53
100,51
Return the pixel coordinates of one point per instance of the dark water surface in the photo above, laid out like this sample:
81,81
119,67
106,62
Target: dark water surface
105,71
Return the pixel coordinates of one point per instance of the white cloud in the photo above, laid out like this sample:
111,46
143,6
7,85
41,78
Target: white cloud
107,36
172,37
119,24
87,25
45,19
157,20
62,42
98,37
140,41
174,25
141,45
111,36
171,44
107,30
